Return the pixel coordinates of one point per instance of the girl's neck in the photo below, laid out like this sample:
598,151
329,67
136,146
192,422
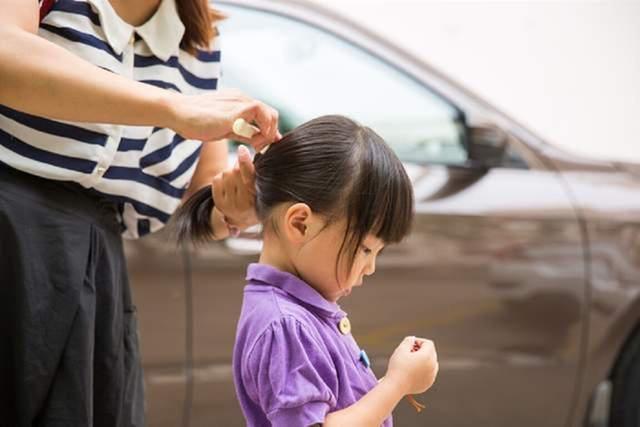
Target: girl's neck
275,255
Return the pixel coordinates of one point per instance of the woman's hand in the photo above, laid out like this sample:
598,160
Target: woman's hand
234,193
210,117
413,365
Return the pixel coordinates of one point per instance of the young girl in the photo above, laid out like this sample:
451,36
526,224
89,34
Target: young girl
330,195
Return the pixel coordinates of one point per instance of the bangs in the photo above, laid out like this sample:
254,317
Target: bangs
392,213
380,199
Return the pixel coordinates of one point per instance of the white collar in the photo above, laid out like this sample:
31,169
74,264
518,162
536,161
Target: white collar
162,32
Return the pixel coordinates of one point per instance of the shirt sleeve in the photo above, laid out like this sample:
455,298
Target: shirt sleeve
290,375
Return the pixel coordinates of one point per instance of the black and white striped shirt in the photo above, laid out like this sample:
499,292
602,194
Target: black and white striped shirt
146,170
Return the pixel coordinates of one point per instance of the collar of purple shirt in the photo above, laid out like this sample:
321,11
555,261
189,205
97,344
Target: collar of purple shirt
266,275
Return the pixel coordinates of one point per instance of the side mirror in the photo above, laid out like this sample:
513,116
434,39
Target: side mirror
487,145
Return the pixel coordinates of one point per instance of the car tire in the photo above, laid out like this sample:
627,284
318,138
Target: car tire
625,399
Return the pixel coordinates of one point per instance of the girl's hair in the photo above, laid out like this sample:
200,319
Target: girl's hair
199,21
336,166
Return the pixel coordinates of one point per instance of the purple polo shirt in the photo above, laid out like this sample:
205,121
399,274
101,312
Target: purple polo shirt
291,364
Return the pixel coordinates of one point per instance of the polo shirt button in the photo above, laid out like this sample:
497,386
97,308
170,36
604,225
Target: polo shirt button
344,325
365,359
101,170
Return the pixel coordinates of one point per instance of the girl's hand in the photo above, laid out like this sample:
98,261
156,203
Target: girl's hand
413,365
210,117
235,194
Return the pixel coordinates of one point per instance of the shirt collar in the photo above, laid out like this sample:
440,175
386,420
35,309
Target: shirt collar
264,274
162,32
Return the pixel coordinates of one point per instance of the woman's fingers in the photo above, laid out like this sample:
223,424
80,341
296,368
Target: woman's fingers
230,188
266,119
246,168
274,133
258,141
241,196
210,116
234,193
218,190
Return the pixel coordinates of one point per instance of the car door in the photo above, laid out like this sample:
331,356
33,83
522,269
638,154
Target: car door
493,271
156,275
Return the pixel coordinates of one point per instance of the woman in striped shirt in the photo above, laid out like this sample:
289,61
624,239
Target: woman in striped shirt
109,117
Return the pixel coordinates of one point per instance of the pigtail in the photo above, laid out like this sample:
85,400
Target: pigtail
192,220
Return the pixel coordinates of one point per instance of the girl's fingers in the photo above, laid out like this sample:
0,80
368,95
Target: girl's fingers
419,341
410,339
407,343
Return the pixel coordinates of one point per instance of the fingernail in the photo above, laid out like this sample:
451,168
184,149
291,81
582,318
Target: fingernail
243,152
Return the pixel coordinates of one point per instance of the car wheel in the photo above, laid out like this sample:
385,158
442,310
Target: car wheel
625,400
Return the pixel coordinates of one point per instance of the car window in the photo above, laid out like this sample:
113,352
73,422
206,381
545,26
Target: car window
306,72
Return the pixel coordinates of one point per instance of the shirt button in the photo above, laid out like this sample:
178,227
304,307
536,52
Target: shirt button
101,170
365,359
344,325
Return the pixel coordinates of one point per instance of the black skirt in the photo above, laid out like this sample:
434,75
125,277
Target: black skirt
68,334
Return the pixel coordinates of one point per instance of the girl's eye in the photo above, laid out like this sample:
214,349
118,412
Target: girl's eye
366,250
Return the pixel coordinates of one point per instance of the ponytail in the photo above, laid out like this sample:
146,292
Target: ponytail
192,220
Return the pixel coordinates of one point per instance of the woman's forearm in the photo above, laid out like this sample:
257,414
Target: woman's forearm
41,78
371,410
214,158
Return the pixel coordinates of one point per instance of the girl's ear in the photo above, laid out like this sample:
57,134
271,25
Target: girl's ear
297,220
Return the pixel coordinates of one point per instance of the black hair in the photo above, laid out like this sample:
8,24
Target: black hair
336,166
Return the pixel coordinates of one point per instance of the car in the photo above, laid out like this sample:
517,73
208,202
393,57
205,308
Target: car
523,264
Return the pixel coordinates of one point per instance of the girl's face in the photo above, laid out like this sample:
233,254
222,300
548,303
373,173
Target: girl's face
315,262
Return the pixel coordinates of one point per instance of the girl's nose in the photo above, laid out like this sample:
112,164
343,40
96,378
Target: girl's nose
370,268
